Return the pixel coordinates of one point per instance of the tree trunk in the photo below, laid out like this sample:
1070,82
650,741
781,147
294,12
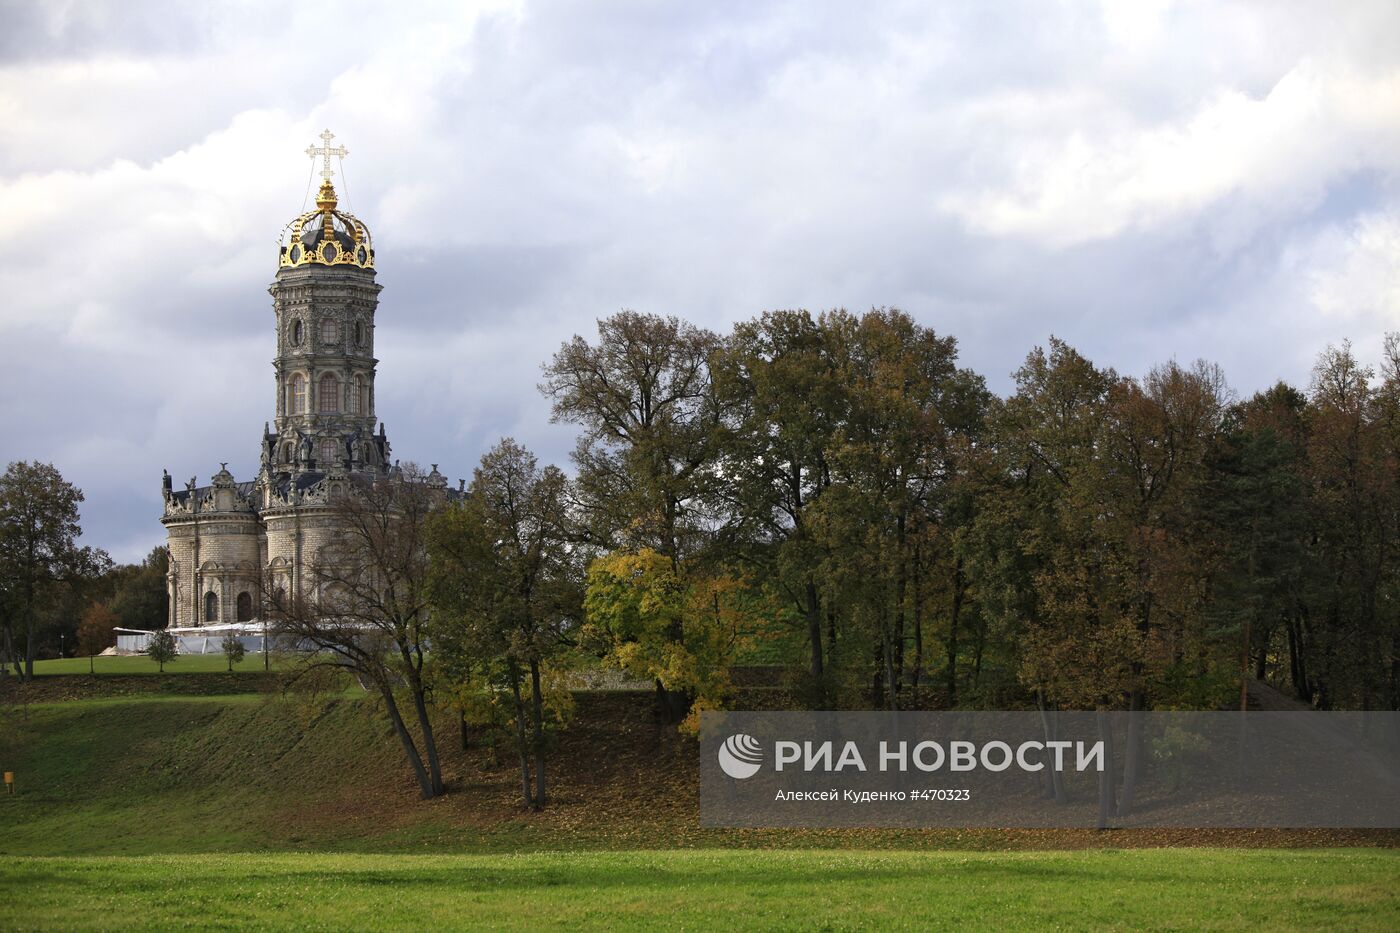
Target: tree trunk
953,633
425,786
425,724
977,650
891,684
9,645
814,628
1297,650
1106,775
901,586
830,634
429,742
521,742
538,702
1057,784
463,731
671,705
1244,667
918,632
29,644
1132,754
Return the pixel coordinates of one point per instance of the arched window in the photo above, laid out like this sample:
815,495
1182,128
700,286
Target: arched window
359,333
328,398
296,332
211,607
296,388
356,388
286,453
362,387
245,607
279,601
330,452
330,330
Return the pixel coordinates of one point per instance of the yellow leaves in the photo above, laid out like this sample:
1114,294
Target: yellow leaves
655,624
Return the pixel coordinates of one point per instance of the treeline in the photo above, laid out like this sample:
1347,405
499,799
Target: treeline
834,494
1095,540
57,597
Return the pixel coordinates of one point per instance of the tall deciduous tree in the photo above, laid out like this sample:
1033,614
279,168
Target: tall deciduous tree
783,387
38,552
894,460
506,591
96,631
644,397
367,606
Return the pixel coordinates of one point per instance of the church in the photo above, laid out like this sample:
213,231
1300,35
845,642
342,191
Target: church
227,537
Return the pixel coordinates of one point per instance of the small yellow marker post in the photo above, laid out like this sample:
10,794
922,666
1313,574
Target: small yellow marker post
10,781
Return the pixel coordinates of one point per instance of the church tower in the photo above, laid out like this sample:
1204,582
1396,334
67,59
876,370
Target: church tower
235,545
324,301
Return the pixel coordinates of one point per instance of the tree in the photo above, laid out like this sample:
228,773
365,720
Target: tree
893,463
162,648
96,630
232,647
644,396
38,551
141,598
365,606
1355,500
786,395
506,592
635,601
1258,508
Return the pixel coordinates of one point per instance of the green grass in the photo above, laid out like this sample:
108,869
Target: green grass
1218,889
276,811
152,774
140,664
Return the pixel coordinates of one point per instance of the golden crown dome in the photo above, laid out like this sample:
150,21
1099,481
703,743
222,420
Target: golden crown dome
326,236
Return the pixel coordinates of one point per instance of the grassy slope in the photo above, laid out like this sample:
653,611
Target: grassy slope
151,770
112,788
722,890
156,773
140,664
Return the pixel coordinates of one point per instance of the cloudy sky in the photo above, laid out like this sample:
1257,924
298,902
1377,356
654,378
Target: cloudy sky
1146,180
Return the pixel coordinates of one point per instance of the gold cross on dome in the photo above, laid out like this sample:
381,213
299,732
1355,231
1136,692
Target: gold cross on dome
325,151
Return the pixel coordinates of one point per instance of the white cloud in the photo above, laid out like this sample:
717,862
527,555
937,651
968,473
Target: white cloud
1272,157
1145,180
1354,272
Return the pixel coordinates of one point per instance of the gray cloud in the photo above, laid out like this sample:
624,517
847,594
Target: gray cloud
1145,180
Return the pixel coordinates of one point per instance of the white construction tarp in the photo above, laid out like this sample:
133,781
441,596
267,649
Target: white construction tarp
199,639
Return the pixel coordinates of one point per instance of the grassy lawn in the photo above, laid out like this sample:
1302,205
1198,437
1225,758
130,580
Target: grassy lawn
279,811
1218,889
140,664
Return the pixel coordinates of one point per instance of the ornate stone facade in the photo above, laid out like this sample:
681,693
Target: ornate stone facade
226,536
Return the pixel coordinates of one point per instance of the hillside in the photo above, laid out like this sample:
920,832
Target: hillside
154,766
